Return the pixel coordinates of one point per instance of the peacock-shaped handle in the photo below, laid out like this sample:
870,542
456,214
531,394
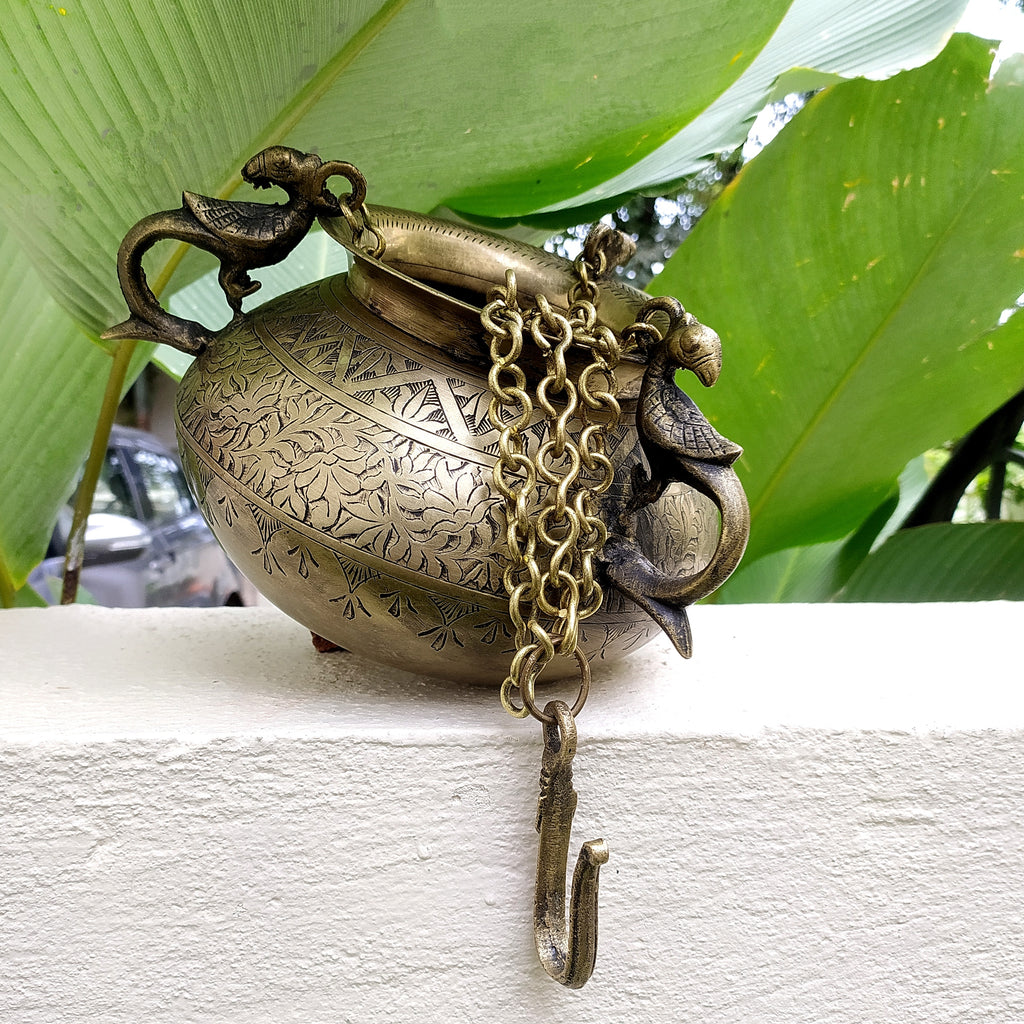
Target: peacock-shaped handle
243,236
680,446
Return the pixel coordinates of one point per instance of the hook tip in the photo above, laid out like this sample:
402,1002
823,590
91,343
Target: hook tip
595,853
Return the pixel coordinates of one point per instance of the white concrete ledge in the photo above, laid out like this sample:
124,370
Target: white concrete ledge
820,818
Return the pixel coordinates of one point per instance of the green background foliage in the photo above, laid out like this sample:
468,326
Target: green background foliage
856,269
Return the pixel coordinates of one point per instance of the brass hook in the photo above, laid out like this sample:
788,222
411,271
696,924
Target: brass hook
567,952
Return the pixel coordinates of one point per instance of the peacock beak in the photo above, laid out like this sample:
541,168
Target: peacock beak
697,348
255,170
707,367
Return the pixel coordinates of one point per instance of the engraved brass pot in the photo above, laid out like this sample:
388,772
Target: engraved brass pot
338,442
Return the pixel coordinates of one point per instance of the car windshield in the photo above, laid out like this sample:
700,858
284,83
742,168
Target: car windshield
166,492
112,493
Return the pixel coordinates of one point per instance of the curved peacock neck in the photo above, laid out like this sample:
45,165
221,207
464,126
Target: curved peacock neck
661,370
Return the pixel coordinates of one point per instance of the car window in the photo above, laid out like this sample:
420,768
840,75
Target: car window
112,493
166,496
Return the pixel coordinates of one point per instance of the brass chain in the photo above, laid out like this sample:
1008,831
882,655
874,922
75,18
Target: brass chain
550,578
360,223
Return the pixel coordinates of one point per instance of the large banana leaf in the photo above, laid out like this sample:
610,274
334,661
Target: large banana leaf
821,41
944,562
857,271
110,108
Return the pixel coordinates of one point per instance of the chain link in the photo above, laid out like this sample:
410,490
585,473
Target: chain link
360,223
550,577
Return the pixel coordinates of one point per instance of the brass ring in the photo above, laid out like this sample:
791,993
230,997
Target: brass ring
529,679
515,710
355,199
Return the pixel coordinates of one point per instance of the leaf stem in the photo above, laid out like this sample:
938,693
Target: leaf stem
94,464
122,357
7,591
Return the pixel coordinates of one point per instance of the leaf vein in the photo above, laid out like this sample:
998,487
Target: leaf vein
848,376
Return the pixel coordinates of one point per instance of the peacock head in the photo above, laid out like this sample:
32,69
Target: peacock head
693,346
299,174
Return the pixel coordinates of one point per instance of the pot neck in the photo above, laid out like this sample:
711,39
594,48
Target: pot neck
434,276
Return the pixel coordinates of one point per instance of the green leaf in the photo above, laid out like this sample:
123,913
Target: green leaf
944,562
858,270
50,390
813,572
817,42
108,110
28,598
817,572
801,575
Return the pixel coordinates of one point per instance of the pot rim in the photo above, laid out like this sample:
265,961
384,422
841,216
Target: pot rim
427,256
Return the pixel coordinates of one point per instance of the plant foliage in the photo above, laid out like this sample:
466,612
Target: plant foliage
858,270
855,303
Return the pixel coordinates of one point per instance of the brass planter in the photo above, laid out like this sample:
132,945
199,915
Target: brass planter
338,442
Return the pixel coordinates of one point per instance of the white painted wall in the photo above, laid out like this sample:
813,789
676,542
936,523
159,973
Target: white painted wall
820,818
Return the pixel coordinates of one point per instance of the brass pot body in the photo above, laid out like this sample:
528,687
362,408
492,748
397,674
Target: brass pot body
344,463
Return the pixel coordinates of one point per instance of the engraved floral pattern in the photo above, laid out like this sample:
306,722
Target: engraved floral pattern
295,429
339,472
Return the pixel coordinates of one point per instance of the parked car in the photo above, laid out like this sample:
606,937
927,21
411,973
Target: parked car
146,543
